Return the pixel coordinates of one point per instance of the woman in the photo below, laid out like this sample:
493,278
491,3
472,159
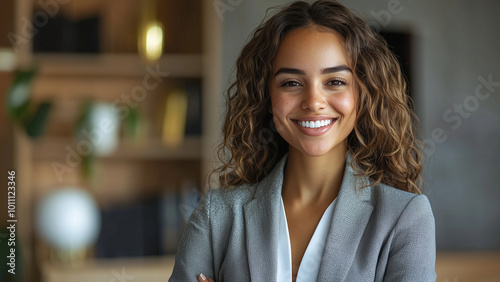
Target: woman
333,194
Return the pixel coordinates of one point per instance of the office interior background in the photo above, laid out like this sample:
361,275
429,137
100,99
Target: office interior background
156,72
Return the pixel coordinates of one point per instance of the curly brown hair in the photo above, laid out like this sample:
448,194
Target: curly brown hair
383,143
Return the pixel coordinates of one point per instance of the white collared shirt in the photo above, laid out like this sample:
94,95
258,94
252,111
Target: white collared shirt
309,266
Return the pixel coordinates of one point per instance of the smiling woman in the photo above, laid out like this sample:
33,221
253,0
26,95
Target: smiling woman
333,195
313,93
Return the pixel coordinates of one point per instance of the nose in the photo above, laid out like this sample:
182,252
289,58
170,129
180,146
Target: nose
314,99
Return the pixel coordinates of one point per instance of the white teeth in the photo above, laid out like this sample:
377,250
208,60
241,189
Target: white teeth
315,124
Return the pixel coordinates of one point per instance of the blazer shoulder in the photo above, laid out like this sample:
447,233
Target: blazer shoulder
410,249
231,197
398,200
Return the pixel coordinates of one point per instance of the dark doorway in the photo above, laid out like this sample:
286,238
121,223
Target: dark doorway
400,43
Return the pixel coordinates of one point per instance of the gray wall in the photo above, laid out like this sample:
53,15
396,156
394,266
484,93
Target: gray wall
456,43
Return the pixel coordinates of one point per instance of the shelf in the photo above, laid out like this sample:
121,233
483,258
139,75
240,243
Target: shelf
154,149
177,65
106,77
54,148
123,269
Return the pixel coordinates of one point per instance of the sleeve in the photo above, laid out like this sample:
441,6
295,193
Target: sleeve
413,250
195,252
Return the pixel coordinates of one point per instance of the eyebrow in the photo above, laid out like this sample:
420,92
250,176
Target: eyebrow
336,69
323,71
290,71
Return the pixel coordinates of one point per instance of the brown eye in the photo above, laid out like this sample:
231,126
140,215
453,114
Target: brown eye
290,83
336,82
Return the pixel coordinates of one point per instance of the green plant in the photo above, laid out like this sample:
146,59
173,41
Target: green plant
33,118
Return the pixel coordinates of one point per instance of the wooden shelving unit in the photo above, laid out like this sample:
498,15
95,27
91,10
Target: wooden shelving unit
69,80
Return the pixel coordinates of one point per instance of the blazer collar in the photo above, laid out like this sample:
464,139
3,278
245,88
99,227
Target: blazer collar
350,217
351,214
262,223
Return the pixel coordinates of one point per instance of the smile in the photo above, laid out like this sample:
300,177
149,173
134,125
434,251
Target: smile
315,124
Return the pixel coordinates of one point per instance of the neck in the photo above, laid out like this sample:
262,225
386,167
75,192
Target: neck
313,180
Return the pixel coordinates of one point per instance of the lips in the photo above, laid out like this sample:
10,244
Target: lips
315,126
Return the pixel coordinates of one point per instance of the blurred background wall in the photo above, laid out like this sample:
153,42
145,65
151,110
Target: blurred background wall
455,49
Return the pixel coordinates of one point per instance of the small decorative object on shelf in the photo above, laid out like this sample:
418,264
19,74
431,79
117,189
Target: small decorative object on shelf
99,127
174,119
69,220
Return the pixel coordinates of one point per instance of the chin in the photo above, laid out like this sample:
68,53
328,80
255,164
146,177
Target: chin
316,151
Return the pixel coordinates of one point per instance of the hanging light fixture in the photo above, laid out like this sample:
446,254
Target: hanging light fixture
150,32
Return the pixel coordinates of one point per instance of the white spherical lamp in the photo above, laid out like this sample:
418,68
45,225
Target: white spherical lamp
68,219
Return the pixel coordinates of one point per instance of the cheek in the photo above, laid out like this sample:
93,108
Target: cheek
281,106
345,104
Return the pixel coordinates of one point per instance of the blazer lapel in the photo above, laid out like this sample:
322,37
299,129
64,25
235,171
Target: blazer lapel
351,214
262,223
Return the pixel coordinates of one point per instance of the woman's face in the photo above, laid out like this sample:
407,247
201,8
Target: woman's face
313,91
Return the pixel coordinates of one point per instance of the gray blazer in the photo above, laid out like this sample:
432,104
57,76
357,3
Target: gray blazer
377,233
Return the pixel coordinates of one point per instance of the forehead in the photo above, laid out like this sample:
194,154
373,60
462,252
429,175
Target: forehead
311,46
